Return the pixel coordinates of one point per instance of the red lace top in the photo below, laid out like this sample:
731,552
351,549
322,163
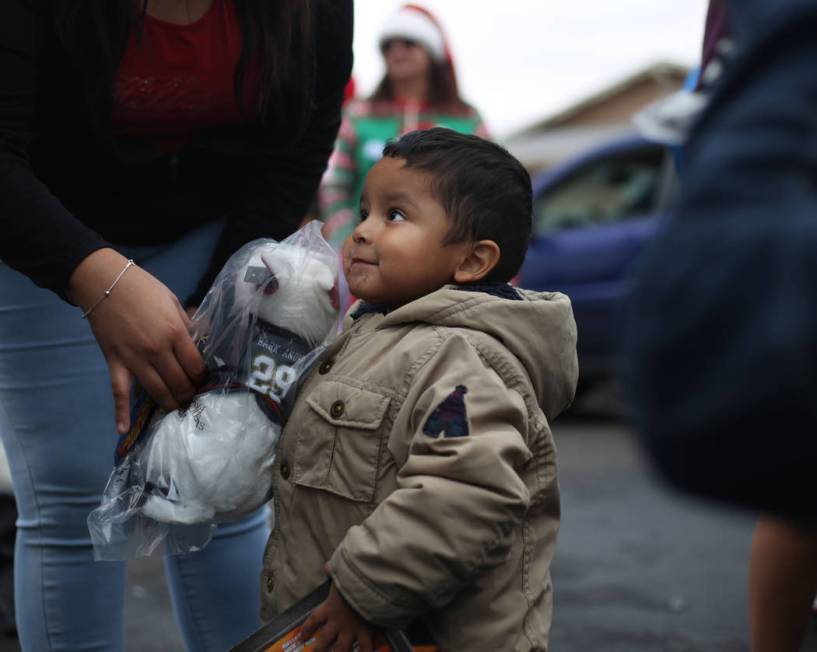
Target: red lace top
175,80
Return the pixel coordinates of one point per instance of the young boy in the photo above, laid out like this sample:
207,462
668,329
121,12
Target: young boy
418,469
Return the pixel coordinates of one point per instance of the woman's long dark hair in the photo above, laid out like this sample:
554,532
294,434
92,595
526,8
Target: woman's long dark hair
279,34
443,91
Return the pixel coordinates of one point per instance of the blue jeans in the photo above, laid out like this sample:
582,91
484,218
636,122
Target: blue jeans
57,424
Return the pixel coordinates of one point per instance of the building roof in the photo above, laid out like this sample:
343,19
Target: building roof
664,75
601,116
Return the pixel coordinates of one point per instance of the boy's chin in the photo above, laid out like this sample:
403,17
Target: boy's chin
367,297
378,296
357,292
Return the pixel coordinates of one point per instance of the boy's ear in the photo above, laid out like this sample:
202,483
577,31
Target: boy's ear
480,258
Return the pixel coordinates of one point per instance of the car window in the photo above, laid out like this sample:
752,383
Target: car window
603,190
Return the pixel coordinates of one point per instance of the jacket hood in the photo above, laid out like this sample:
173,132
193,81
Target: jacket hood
538,329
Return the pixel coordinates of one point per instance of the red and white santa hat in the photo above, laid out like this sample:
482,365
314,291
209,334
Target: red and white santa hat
416,24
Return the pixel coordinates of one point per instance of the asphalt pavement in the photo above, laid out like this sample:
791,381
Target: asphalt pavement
639,568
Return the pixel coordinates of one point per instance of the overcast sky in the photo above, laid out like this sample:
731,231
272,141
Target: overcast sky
521,60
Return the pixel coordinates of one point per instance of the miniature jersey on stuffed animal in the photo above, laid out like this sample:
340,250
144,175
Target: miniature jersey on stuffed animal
212,462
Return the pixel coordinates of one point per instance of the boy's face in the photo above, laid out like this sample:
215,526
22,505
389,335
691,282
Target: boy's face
396,252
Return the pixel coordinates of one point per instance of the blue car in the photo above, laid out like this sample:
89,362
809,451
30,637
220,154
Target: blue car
593,216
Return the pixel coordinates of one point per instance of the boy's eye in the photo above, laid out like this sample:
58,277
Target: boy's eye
363,214
395,215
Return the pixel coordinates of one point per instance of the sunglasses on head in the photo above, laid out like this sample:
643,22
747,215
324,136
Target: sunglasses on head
405,42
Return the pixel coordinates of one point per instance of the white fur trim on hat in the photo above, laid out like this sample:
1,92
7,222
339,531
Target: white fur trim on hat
414,25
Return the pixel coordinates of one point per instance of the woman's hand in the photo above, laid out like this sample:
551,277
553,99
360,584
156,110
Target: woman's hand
337,627
142,331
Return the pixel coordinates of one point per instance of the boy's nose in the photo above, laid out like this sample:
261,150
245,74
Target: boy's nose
362,232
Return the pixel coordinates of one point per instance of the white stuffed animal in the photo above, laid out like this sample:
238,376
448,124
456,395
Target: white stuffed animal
212,462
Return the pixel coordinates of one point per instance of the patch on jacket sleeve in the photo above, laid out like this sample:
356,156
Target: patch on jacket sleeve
449,416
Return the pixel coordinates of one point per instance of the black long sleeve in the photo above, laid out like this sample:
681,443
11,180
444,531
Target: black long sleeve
38,235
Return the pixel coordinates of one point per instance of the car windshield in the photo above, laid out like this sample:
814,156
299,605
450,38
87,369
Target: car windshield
601,191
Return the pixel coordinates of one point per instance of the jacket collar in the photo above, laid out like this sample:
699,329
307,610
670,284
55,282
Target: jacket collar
500,290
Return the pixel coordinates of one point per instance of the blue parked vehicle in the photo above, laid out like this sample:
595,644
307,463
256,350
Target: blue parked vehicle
593,216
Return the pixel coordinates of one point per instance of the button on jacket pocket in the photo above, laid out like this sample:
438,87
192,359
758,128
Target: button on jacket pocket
337,409
339,443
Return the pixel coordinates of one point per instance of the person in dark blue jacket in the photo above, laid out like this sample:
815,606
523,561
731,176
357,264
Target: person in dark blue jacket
720,335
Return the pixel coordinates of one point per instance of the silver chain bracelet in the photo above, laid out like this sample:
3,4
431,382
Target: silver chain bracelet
108,291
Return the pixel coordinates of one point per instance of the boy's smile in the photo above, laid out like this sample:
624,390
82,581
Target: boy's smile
396,253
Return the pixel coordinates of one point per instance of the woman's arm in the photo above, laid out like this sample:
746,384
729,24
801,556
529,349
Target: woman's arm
140,327
40,237
142,331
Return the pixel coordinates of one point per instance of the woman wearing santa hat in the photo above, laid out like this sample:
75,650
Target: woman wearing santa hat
418,91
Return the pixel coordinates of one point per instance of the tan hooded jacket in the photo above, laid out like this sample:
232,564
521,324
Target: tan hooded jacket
419,462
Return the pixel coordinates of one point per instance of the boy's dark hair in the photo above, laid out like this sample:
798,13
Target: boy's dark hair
484,190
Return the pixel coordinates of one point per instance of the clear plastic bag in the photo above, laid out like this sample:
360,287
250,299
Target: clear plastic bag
178,474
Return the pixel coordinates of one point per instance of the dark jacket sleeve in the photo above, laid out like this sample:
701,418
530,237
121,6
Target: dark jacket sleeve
284,188
720,335
38,236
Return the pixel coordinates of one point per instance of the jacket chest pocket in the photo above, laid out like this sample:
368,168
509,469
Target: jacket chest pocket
338,447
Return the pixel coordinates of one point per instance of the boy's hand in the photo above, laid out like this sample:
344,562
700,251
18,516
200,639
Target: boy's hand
337,627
